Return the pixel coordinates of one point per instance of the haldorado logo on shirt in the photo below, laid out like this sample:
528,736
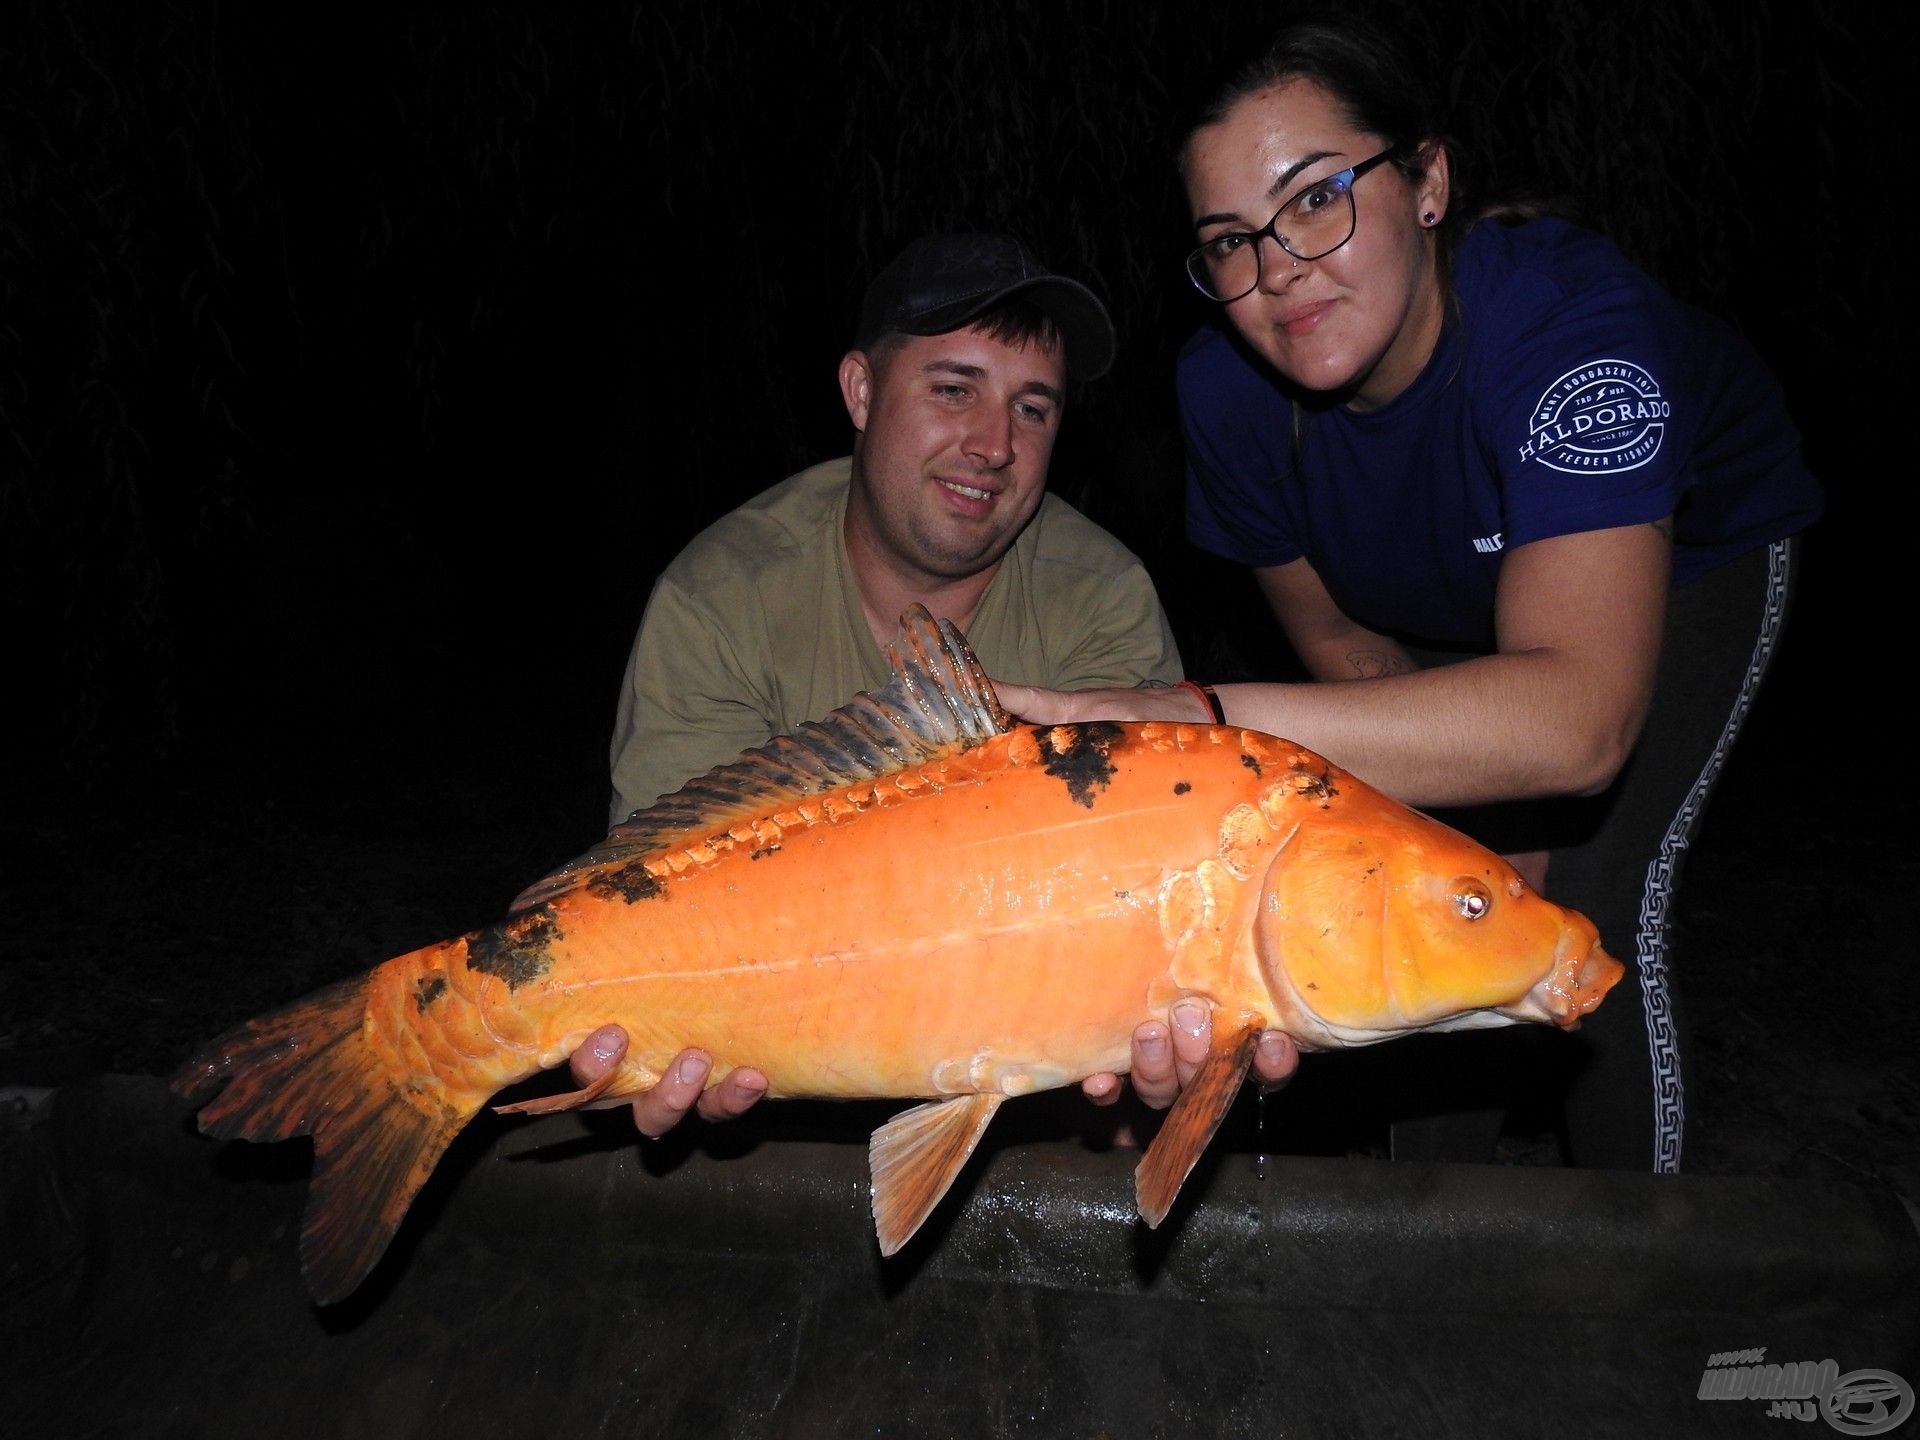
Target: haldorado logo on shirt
1604,415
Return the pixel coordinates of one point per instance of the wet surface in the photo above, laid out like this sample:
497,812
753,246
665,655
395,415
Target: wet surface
557,1279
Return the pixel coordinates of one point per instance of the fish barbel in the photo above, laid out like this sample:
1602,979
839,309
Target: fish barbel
915,898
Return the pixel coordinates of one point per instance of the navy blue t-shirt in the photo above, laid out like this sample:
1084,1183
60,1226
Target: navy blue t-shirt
1567,393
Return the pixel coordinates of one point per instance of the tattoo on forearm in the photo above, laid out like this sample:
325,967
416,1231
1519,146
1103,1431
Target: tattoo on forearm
1372,664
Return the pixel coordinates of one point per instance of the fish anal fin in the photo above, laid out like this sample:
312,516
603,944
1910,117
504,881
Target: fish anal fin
915,1157
1195,1116
619,1086
581,1099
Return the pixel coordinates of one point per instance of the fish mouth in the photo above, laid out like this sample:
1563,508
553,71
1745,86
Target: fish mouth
1582,974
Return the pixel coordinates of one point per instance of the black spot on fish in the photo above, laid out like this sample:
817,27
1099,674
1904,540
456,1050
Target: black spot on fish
1123,894
517,951
1083,764
763,852
1251,763
426,991
1315,787
630,882
1182,788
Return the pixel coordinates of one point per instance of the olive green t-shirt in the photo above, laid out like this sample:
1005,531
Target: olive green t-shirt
756,627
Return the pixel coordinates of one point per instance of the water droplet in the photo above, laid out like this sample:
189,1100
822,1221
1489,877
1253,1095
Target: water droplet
1260,1134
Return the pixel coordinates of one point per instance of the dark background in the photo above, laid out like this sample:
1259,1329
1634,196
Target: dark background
361,365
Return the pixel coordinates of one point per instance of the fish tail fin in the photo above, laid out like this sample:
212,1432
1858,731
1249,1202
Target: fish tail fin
308,1069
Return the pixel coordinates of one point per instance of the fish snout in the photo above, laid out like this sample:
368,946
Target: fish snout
1582,974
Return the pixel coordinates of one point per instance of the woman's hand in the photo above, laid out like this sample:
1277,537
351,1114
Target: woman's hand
681,1086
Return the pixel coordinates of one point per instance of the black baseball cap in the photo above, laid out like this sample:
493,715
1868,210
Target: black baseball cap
940,282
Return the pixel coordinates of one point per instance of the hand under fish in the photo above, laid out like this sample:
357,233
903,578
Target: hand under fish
1165,1058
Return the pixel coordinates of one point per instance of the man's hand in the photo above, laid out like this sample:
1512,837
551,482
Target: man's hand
1165,1058
680,1088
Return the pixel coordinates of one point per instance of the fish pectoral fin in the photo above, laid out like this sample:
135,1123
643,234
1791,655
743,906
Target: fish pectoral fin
915,1157
1195,1116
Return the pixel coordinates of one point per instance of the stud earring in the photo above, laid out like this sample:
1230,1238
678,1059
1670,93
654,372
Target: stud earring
1428,218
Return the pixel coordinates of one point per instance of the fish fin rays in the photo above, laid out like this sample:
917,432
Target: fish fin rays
916,1155
621,1085
581,1099
1195,1116
307,1069
938,702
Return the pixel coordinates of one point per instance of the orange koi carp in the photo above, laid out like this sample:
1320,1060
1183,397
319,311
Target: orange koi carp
915,897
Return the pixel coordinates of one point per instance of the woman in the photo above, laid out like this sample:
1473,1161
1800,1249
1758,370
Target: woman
1535,515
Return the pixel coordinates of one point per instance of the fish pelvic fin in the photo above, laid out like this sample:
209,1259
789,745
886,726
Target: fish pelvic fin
939,702
307,1069
914,1158
1195,1116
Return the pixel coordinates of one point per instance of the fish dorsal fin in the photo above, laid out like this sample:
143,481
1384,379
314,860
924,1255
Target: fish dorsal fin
938,702
1191,1123
914,1158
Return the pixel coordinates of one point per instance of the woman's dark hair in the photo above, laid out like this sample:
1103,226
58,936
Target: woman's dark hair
1382,93
1374,85
1379,91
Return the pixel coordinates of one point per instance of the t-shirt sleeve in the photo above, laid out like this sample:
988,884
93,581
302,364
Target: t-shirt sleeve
686,703
1591,409
1129,641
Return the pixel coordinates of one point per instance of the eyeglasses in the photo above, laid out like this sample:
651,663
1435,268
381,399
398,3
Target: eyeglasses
1316,222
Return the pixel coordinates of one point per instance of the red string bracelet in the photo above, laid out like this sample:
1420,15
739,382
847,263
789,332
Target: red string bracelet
1209,699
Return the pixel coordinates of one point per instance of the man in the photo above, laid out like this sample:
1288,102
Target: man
777,613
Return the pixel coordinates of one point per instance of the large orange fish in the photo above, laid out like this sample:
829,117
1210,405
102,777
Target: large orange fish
916,898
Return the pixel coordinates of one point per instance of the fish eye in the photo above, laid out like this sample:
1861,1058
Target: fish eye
1471,899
